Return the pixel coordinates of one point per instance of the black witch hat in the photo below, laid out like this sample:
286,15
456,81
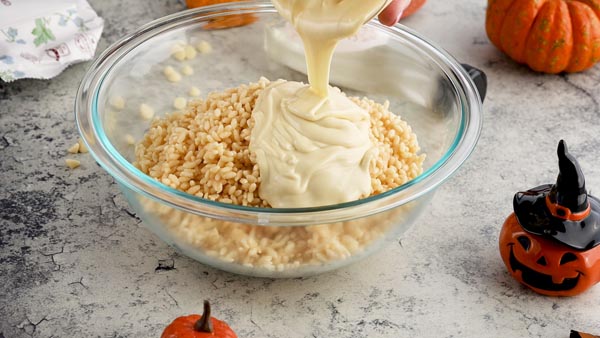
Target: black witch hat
563,211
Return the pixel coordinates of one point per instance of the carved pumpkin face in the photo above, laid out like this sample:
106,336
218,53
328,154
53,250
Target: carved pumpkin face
545,265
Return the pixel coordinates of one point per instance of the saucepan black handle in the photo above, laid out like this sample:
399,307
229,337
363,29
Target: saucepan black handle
479,78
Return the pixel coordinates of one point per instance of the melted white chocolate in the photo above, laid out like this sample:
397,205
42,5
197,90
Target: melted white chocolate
310,150
311,142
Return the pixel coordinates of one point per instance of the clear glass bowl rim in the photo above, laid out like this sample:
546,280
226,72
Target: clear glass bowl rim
90,127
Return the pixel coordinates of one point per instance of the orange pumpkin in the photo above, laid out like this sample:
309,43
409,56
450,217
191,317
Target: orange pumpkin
196,326
226,21
550,36
202,3
545,265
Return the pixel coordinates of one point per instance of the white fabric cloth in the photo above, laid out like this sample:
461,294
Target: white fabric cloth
40,38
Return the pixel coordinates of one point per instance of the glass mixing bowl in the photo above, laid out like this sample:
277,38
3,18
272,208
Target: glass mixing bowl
238,43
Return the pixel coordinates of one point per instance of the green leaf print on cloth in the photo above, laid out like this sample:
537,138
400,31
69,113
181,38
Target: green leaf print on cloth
42,33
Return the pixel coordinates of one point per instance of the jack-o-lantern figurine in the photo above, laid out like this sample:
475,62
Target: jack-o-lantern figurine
551,243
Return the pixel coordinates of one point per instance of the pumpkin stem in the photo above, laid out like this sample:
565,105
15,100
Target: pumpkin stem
204,324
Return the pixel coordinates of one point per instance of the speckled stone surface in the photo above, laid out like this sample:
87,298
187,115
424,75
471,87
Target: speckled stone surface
75,261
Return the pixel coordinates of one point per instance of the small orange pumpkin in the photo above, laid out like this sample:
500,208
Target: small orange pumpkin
196,326
550,36
226,21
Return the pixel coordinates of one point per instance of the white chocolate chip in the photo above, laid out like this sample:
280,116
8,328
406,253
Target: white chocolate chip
174,77
204,47
129,139
146,112
177,46
194,91
82,148
71,163
169,70
187,70
179,56
190,52
179,103
74,149
171,74
118,102
178,51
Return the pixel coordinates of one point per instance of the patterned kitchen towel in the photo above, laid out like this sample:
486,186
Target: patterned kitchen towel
40,38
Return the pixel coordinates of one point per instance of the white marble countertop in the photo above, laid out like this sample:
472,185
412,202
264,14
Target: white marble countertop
74,263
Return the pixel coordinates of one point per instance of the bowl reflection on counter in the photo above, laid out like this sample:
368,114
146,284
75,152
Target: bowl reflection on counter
431,92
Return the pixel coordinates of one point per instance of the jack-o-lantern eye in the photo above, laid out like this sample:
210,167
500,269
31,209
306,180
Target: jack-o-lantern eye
568,257
525,242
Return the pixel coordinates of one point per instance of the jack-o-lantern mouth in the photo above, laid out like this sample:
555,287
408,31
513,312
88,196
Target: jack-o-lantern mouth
540,280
